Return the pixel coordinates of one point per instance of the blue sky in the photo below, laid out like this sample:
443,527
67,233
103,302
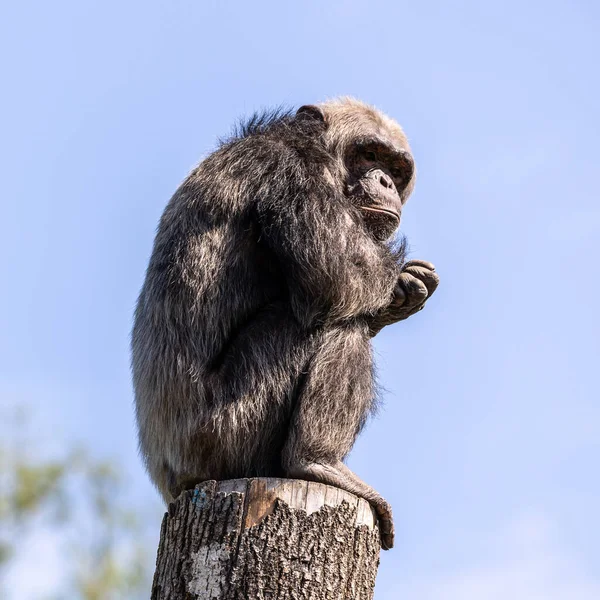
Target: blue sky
488,443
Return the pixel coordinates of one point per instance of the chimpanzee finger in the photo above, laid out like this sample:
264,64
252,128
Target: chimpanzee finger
415,290
428,277
419,263
399,296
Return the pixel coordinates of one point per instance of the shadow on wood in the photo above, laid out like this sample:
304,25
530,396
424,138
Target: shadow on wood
265,539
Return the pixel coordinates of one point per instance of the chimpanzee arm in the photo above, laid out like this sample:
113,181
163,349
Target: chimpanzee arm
334,269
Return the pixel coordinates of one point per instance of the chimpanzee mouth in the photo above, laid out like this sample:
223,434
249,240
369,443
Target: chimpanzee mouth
382,211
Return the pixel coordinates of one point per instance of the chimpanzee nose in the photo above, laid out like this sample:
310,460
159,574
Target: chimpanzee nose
386,181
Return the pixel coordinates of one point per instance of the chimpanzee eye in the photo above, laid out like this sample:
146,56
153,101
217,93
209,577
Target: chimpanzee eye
370,156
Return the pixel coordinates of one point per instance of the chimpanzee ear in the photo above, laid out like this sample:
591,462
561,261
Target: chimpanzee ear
310,111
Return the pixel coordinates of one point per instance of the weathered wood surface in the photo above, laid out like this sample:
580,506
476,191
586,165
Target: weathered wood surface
267,539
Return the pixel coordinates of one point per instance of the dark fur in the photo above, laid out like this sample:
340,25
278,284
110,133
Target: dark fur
251,344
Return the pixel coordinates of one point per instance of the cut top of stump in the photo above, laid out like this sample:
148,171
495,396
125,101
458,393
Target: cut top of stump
260,495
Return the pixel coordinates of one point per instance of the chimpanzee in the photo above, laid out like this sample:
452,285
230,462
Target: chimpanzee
273,266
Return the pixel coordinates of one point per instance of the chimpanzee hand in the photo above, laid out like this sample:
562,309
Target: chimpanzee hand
417,281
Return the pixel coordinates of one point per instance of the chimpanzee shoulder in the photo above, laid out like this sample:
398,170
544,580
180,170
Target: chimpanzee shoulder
282,127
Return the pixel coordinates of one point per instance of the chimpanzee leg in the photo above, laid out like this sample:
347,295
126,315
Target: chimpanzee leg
240,427
330,411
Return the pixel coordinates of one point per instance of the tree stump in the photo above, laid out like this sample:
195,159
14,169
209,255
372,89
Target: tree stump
267,539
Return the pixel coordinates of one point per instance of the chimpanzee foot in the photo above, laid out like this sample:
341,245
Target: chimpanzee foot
386,526
179,483
339,475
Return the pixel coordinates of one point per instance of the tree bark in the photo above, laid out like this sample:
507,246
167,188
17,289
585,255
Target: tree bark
267,539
